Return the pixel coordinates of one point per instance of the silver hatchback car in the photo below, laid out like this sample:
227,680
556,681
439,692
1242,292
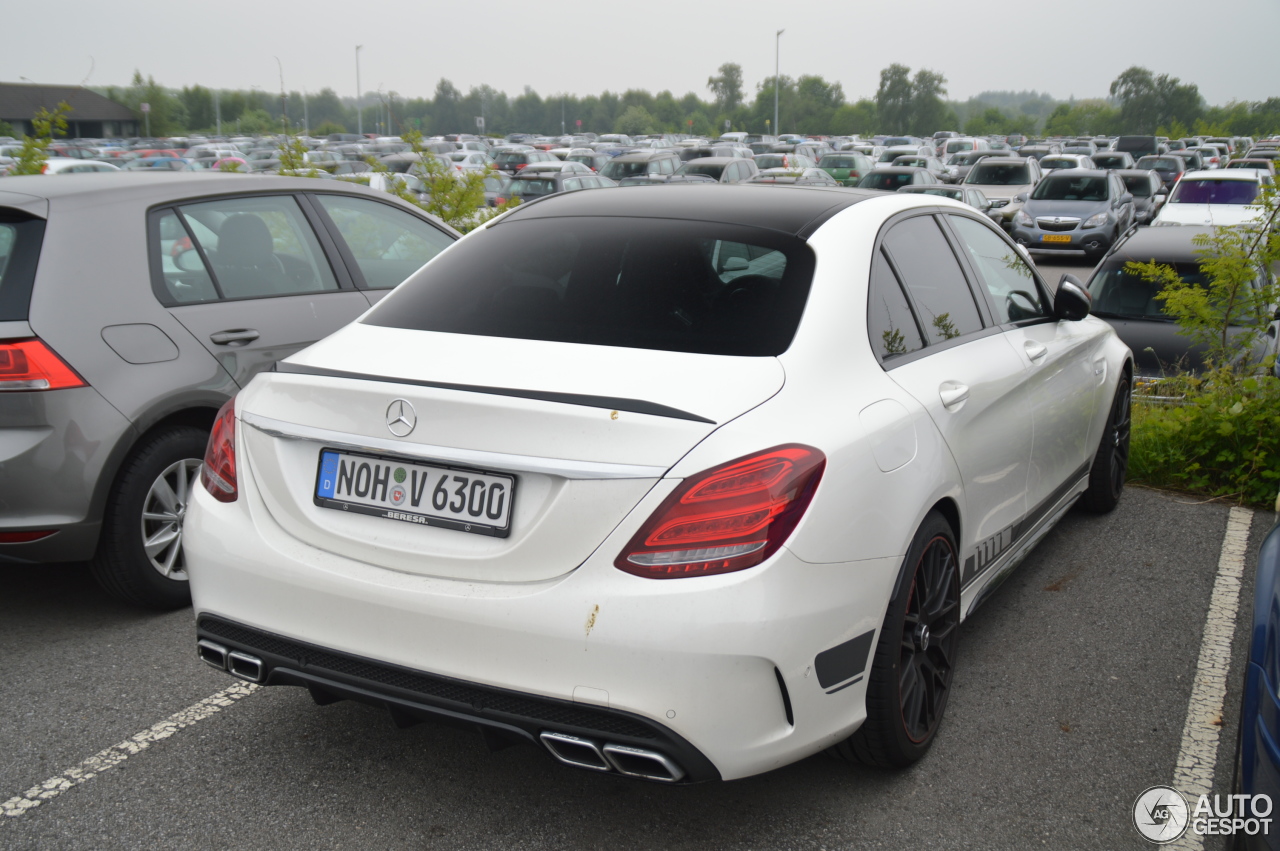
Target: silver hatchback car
132,306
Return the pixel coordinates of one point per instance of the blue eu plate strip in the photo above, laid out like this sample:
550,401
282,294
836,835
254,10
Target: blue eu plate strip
328,474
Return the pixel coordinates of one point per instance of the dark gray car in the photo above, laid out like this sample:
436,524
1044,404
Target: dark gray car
131,309
1129,303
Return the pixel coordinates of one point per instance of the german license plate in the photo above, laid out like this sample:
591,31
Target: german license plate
1055,237
411,492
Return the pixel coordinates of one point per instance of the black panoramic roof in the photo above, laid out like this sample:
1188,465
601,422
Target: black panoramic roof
793,210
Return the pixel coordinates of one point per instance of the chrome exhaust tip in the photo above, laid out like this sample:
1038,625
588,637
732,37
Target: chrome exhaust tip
580,753
214,655
636,762
244,666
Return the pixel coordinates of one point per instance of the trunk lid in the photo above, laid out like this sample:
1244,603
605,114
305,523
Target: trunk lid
584,431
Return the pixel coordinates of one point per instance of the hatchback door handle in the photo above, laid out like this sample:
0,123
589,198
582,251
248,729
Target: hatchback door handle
234,337
953,393
1035,351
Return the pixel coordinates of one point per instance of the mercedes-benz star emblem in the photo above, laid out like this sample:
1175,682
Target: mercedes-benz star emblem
401,418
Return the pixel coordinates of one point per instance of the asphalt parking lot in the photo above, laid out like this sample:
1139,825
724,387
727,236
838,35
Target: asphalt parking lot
1070,700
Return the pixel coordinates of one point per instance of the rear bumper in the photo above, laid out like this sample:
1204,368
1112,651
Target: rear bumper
503,717
722,670
55,448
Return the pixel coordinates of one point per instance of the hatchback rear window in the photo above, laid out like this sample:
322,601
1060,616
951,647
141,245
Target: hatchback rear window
20,240
992,174
670,285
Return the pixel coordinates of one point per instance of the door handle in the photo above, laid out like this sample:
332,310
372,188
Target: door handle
234,337
1035,351
952,393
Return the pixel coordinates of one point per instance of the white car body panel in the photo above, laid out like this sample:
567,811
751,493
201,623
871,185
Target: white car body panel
545,612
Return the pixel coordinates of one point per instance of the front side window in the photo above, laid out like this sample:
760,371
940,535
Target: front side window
255,247
388,244
933,276
1003,271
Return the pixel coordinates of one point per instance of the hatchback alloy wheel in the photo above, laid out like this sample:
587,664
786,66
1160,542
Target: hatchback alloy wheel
163,513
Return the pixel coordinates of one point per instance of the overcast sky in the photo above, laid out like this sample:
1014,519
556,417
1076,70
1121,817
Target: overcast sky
1065,49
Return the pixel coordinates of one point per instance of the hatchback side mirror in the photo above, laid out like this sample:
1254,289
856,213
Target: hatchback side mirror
1072,301
1022,197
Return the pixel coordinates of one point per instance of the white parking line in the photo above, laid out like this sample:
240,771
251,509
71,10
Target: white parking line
116,754
1193,773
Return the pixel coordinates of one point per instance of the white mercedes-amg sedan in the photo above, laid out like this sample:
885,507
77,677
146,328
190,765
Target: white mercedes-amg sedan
682,483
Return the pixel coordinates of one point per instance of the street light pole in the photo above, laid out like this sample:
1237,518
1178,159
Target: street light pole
359,113
777,64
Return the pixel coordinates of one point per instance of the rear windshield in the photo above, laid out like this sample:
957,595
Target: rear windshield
1071,188
1214,192
952,147
532,188
999,174
830,161
671,285
709,169
20,239
1138,185
617,169
886,180
508,157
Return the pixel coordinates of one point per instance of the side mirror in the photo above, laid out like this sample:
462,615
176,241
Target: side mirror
734,264
1157,200
1072,301
1022,197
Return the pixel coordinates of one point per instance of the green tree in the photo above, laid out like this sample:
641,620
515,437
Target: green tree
816,104
167,116
894,98
34,152
197,101
635,121
855,119
1148,101
6,129
928,112
727,87
327,127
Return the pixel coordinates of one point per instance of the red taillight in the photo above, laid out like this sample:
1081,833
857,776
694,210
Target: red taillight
520,166
727,518
219,471
24,537
31,365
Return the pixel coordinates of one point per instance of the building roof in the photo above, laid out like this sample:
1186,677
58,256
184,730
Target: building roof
19,102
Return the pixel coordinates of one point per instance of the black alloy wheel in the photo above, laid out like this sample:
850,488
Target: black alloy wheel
915,655
929,632
1111,464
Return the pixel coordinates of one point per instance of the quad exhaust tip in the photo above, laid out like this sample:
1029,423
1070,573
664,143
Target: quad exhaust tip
633,762
214,655
234,662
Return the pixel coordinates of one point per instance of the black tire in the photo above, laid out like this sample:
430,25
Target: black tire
912,668
1111,462
123,565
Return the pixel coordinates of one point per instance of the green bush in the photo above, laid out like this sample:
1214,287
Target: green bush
1222,439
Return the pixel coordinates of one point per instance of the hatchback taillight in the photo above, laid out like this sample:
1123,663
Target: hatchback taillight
31,365
727,518
218,474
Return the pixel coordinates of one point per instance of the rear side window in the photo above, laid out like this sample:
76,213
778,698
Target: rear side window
20,239
891,326
671,285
